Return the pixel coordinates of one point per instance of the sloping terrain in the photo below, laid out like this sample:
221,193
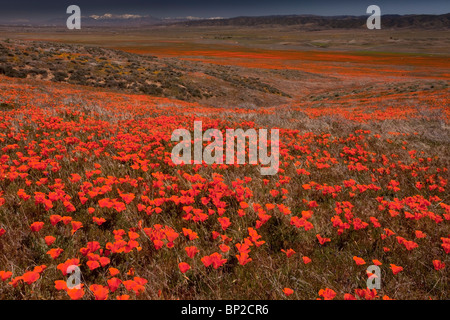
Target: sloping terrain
87,178
118,70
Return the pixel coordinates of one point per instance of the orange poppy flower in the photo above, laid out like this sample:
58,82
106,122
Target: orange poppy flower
54,219
100,292
224,248
224,222
243,205
359,261
49,240
243,258
114,284
61,285
191,251
36,226
75,294
66,219
306,260
75,226
289,253
215,259
64,266
15,281
30,277
131,285
419,234
190,234
184,267
113,271
396,269
98,221
349,296
438,265
5,275
327,294
376,262
55,253
40,269
93,265
322,241
288,291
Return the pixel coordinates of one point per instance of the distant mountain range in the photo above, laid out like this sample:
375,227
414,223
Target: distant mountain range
107,20
310,22
332,22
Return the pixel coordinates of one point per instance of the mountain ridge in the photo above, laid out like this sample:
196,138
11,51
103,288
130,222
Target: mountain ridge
427,21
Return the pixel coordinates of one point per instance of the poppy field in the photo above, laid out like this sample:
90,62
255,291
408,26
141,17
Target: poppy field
87,181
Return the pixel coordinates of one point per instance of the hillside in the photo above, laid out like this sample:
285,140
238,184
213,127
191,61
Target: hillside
118,70
311,22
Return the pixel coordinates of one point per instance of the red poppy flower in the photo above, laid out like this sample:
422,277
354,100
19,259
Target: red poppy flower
224,222
359,261
113,271
63,267
376,262
98,221
420,234
75,226
66,219
75,294
243,258
131,285
396,269
93,265
349,296
61,285
438,265
30,277
184,267
288,291
14,282
5,275
289,253
114,284
36,226
243,205
215,259
49,240
54,219
327,294
55,253
322,241
100,292
306,260
191,251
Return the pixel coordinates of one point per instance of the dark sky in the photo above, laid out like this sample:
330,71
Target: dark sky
30,9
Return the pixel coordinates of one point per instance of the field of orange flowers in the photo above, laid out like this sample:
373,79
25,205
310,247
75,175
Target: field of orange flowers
86,179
